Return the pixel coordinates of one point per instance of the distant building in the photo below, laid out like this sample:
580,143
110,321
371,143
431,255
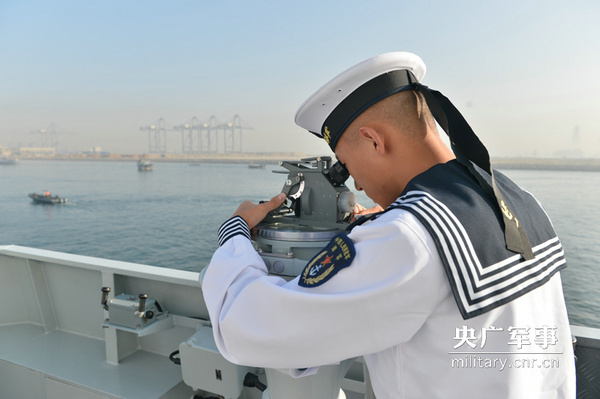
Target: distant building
36,151
569,153
97,152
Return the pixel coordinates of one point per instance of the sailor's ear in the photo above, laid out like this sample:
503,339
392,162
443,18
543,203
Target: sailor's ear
374,137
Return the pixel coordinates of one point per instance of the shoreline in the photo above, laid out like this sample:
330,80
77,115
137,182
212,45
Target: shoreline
250,158
568,164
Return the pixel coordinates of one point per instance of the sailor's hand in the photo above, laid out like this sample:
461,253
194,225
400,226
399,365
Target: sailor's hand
360,210
253,213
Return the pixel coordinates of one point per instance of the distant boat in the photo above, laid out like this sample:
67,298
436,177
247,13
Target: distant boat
46,198
256,166
8,161
144,165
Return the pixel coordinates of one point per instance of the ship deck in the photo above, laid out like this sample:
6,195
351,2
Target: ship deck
54,342
67,364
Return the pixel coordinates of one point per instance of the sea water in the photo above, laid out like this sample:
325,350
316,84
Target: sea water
169,217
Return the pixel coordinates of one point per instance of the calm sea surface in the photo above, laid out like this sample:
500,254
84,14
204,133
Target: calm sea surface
169,217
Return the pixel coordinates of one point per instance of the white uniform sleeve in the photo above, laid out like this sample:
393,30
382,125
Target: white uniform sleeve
379,301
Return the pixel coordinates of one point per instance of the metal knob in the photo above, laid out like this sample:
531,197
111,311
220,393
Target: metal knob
142,305
104,300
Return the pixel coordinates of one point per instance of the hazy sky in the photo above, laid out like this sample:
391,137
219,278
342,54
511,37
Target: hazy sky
526,74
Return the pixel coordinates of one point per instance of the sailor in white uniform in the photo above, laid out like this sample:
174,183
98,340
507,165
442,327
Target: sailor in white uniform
453,291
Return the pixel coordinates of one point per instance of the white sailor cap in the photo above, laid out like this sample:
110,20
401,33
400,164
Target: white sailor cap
329,111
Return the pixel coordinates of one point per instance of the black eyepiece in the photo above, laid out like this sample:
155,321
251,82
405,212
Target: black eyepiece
338,174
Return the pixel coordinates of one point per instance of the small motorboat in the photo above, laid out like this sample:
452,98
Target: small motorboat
8,161
46,198
144,165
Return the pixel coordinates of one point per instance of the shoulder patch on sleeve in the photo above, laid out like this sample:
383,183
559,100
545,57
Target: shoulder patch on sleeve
337,255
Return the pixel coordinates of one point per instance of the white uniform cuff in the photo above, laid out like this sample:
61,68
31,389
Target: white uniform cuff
233,227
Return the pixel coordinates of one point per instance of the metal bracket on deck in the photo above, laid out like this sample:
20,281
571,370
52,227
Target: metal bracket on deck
139,314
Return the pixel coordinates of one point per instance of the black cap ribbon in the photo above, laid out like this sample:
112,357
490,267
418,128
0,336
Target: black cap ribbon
470,150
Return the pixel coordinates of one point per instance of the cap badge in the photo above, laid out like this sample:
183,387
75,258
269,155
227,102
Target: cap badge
327,134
